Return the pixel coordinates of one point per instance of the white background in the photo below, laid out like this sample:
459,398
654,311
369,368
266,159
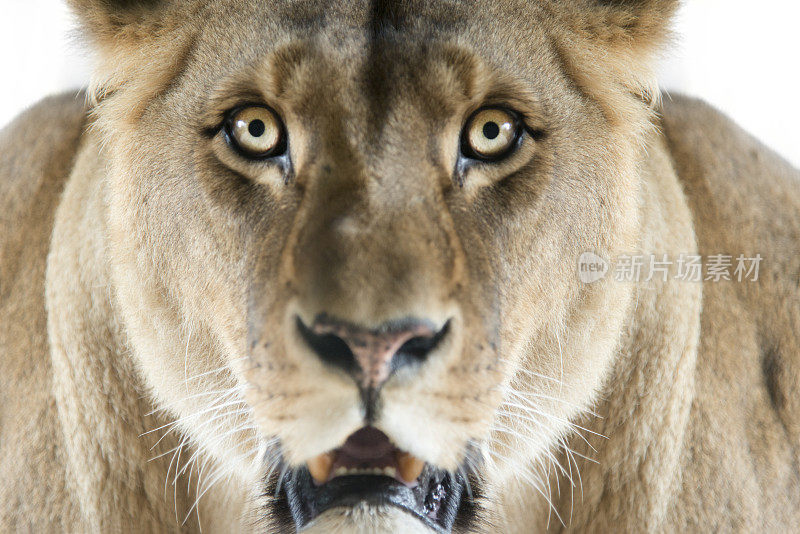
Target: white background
740,55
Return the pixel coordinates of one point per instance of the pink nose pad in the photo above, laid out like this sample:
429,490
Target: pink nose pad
375,353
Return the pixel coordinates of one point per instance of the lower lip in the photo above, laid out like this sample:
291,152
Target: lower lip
433,503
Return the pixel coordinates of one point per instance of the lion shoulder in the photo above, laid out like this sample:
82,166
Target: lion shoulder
36,154
731,178
744,198
36,151
745,201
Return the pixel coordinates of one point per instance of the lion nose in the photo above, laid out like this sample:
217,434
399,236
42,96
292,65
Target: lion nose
370,356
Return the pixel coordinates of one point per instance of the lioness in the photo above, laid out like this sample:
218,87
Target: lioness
362,267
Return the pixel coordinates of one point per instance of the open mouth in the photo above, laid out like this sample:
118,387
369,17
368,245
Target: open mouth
368,468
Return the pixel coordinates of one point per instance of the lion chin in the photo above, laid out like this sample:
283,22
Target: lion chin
365,518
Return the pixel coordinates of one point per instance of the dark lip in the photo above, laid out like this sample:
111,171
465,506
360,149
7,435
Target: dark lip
435,501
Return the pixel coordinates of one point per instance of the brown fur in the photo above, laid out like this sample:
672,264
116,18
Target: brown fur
144,266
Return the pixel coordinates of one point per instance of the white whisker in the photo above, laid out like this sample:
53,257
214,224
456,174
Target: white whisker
560,358
225,367
186,360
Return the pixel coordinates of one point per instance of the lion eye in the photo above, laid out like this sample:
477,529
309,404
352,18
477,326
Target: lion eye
256,132
490,134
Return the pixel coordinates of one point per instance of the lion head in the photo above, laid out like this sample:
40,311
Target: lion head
343,236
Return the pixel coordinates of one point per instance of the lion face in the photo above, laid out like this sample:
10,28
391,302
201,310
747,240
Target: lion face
344,238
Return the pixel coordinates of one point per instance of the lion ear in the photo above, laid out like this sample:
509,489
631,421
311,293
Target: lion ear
640,24
611,48
107,20
139,45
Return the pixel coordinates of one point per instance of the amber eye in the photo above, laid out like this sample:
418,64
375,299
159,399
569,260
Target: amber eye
256,132
490,134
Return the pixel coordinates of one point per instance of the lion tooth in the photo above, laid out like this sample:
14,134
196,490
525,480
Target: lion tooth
390,472
410,467
320,467
340,472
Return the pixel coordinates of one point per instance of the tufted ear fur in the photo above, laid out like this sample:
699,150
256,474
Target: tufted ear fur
139,45
641,24
106,20
610,48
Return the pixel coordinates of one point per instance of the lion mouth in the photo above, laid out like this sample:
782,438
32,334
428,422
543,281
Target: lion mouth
369,469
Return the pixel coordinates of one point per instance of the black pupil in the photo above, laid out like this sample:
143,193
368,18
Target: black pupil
491,130
256,128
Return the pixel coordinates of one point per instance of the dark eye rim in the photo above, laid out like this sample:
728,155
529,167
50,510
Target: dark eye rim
280,148
468,152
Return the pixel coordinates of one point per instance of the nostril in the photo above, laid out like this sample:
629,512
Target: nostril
416,349
329,347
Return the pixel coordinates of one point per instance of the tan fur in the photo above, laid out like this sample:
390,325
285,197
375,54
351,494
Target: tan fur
149,276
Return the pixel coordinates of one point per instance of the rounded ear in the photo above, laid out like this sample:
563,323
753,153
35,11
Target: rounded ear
642,23
113,19
610,49
139,46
